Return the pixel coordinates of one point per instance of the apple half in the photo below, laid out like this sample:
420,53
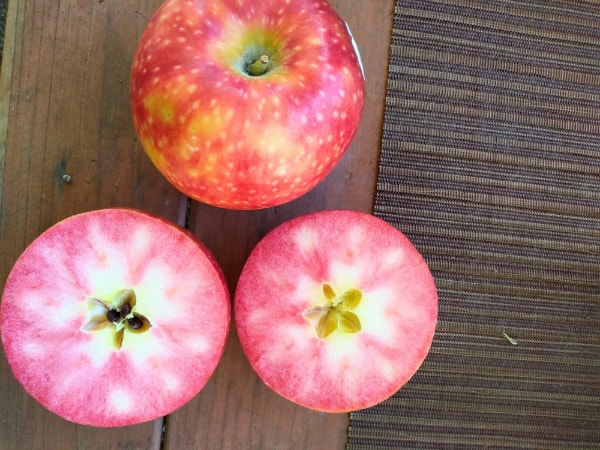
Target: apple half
114,317
336,310
246,104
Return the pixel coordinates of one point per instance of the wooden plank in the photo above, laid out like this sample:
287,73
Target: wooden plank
65,106
235,410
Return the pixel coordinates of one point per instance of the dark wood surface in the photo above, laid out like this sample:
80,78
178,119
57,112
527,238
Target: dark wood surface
64,109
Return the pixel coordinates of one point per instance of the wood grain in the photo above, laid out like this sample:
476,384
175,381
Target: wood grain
64,110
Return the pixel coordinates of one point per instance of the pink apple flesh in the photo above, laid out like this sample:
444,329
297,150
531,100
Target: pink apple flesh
114,317
246,104
336,310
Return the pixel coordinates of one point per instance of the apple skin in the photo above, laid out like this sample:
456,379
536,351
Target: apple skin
284,278
78,374
237,141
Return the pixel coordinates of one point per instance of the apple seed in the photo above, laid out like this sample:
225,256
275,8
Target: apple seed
113,315
135,323
125,299
126,309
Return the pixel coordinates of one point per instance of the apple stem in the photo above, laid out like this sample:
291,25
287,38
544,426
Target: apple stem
258,67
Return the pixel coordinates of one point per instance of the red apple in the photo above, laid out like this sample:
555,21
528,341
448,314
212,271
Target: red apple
335,310
246,104
114,317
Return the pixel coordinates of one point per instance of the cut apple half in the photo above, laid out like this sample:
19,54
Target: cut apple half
114,317
336,310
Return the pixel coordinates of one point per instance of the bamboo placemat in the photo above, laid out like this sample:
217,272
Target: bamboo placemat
491,165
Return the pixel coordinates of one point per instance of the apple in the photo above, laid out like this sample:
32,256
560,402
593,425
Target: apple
246,104
335,310
114,317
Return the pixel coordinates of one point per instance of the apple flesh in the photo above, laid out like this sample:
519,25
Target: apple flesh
335,310
246,104
114,317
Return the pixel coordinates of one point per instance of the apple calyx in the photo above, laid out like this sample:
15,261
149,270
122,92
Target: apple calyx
118,314
258,67
337,314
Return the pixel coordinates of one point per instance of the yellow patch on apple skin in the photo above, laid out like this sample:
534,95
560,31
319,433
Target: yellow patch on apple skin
156,156
160,107
200,124
210,125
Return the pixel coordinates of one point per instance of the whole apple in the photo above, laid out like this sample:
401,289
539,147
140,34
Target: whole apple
114,317
246,104
336,310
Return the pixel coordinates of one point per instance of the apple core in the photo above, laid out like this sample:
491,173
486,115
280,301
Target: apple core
336,314
117,314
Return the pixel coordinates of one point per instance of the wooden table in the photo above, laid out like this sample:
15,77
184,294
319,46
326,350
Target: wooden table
64,109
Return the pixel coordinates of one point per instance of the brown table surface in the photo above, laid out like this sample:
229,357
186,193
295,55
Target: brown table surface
64,109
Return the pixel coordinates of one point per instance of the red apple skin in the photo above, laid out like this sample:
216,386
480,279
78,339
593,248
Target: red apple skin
236,141
75,373
283,278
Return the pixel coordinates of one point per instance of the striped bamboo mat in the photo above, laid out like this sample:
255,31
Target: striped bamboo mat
491,165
